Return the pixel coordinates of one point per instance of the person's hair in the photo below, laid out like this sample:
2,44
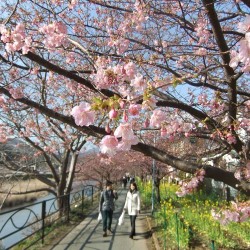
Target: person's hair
109,183
134,184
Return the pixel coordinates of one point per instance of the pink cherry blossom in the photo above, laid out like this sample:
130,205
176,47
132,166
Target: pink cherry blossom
202,31
157,118
73,3
5,34
16,92
235,59
245,25
113,114
243,173
34,71
149,103
70,57
107,129
188,187
125,145
104,78
125,116
247,103
83,115
9,47
201,52
134,109
124,130
243,54
108,145
245,123
126,133
16,40
130,70
230,138
2,100
163,132
139,83
146,123
55,34
247,173
239,212
122,104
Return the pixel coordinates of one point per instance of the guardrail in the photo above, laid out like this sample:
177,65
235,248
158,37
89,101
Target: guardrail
17,225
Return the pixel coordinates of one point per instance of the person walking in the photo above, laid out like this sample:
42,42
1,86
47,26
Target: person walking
132,179
107,206
132,204
124,181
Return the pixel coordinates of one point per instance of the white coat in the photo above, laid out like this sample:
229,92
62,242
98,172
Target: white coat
133,203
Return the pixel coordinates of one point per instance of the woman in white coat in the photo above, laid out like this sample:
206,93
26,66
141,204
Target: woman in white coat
132,204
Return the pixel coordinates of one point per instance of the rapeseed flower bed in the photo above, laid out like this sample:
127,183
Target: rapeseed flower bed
187,222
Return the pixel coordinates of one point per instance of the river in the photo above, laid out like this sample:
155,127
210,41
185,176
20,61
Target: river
19,218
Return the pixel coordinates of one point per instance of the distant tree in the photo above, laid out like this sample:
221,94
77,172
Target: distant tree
48,146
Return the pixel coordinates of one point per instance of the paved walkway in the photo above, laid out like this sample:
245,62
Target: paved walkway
88,234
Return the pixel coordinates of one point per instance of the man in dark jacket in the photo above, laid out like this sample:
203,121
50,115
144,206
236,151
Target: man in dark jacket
107,206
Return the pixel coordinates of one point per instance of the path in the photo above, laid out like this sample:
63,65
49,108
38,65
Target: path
88,234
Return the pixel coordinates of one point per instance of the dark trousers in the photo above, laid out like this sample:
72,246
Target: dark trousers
132,221
107,219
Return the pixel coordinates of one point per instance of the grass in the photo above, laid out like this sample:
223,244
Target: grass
19,185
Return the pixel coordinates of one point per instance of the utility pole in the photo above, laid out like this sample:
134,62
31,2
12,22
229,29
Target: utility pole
153,177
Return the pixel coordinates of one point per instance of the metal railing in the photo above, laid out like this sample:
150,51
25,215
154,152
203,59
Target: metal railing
19,224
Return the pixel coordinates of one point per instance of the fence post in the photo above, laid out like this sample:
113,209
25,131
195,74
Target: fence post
212,243
82,199
165,227
92,191
177,231
43,215
68,205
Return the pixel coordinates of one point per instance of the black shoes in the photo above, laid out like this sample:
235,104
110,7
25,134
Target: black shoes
131,237
104,234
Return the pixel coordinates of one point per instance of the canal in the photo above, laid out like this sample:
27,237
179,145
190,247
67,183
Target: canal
11,219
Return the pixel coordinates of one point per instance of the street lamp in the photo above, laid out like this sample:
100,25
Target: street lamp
153,177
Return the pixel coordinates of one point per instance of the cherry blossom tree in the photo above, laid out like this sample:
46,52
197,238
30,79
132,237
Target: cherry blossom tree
51,147
100,167
97,168
177,67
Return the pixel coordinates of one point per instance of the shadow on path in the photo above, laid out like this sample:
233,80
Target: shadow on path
88,234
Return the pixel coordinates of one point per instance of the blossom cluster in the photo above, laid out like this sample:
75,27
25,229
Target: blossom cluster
16,92
118,37
225,135
238,213
55,35
243,54
16,39
83,114
122,139
243,173
158,120
201,31
108,76
188,187
123,136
